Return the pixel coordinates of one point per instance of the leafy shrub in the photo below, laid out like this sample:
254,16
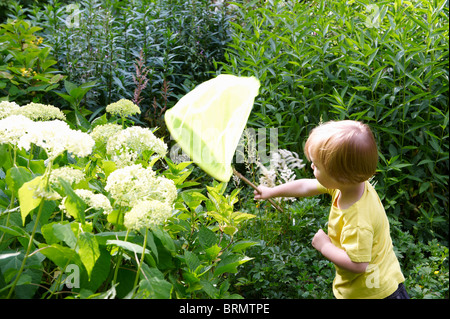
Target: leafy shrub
286,266
384,63
101,40
26,66
104,215
424,264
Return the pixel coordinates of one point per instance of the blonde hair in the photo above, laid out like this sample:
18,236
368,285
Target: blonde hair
346,149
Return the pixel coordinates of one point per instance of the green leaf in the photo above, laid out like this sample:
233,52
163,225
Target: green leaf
134,248
16,177
115,218
75,206
230,264
193,199
67,97
49,236
243,244
64,233
10,262
218,217
69,86
88,250
151,244
191,260
60,255
209,288
165,239
81,121
101,270
206,237
37,166
105,236
27,199
155,288
230,230
239,217
212,252
424,187
108,167
14,232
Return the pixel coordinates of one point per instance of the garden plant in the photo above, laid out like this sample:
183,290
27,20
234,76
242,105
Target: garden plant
97,201
96,204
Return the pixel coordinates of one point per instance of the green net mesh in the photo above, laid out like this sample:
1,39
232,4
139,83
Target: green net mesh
208,122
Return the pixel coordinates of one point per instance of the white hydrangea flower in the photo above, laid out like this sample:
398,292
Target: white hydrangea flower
131,184
55,137
8,108
79,143
67,173
165,189
128,144
127,185
96,201
50,136
41,112
123,108
146,214
101,133
13,128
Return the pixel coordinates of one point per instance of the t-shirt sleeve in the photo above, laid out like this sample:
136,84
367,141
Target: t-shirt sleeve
323,189
357,242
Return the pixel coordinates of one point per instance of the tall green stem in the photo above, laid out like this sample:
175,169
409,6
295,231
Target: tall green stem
119,260
30,156
36,222
30,244
142,258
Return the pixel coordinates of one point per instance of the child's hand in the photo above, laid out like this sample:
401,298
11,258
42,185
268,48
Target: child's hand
320,239
263,192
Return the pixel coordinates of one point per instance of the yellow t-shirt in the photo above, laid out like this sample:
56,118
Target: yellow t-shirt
362,231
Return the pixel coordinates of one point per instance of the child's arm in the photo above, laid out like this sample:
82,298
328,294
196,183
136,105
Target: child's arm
297,188
337,256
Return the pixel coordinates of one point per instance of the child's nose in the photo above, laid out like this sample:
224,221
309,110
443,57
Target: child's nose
312,166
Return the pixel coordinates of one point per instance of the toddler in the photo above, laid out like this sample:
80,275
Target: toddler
344,156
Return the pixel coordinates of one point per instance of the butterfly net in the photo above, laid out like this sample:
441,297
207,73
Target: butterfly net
208,122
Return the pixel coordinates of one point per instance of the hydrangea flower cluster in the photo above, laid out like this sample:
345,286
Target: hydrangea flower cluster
13,127
146,214
69,174
96,201
101,133
53,136
8,108
131,184
149,196
92,200
127,145
33,111
123,108
41,112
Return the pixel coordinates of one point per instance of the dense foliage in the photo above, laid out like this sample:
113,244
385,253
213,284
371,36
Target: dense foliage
102,41
329,60
114,67
89,205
